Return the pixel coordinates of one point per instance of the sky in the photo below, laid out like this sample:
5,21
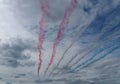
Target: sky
89,46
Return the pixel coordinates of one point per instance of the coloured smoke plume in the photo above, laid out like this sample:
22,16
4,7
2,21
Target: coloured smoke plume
62,27
43,23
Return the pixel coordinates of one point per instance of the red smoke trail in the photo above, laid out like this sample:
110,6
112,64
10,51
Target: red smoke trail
60,60
43,24
62,27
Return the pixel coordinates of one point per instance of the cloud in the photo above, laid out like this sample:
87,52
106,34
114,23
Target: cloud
2,82
8,83
60,80
20,75
44,81
19,55
26,12
0,78
78,82
16,50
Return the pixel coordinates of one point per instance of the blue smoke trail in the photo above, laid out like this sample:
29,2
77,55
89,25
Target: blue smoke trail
91,47
107,53
110,31
102,25
107,46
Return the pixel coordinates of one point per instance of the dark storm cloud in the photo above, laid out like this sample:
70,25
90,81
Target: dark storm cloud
15,50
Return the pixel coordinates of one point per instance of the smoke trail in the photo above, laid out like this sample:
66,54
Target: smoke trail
62,27
81,51
89,49
106,53
43,24
95,46
97,21
96,53
111,30
100,36
70,46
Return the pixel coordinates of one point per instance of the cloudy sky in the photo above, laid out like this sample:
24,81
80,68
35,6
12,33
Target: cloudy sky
90,45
